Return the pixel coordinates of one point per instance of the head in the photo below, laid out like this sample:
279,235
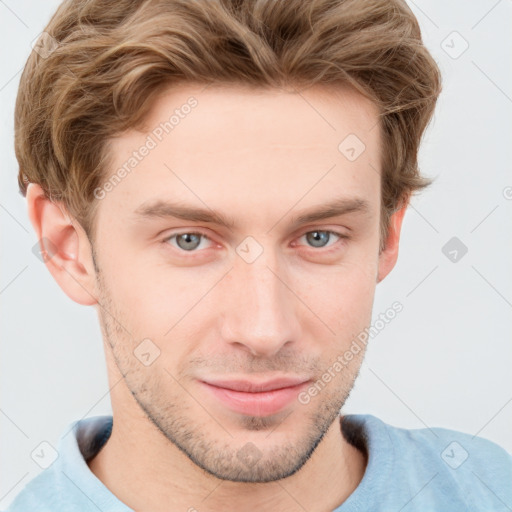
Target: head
243,118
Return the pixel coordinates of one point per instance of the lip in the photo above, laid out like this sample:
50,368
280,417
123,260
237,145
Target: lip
256,398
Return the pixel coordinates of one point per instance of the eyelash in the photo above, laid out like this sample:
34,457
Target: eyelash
328,249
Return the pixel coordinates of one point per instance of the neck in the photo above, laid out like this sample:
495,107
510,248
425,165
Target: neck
155,475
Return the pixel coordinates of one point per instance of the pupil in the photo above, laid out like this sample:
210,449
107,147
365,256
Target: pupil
315,237
190,241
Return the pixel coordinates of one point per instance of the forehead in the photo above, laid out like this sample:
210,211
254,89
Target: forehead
229,117
239,148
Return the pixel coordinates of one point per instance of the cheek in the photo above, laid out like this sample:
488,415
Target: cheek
342,295
158,302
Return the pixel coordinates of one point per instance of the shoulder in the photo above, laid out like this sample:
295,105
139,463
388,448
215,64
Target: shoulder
455,449
41,494
68,484
478,468
443,463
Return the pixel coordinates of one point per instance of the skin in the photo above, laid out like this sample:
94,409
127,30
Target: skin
262,157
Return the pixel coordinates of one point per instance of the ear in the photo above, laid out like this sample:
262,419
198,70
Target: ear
64,246
389,255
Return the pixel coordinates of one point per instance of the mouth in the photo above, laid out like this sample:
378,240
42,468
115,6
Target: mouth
255,398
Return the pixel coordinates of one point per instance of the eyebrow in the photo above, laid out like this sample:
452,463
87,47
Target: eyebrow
167,209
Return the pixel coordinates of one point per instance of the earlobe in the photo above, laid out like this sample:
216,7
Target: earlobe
64,246
389,255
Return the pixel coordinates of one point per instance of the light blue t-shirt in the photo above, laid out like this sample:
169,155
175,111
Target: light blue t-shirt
423,470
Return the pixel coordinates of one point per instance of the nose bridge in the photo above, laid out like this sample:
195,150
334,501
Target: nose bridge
260,314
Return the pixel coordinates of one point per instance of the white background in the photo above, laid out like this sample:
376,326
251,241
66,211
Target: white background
446,358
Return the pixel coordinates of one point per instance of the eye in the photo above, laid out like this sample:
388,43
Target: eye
193,241
187,241
320,238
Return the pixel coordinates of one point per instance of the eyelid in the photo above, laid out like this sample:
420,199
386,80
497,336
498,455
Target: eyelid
339,234
188,232
335,230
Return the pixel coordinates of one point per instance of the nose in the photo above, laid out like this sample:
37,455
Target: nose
260,314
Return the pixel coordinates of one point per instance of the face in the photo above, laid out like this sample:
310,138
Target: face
251,290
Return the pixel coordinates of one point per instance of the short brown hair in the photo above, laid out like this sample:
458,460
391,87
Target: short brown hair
101,63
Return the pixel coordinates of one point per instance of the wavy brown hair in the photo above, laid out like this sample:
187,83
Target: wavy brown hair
101,63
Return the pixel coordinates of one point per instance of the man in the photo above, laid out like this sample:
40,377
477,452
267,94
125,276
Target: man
225,182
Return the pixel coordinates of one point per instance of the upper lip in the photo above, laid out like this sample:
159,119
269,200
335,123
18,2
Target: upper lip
257,386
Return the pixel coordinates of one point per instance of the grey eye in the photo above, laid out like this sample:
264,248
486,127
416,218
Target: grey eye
188,241
318,238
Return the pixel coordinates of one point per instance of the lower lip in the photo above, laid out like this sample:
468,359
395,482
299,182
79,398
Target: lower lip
263,403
